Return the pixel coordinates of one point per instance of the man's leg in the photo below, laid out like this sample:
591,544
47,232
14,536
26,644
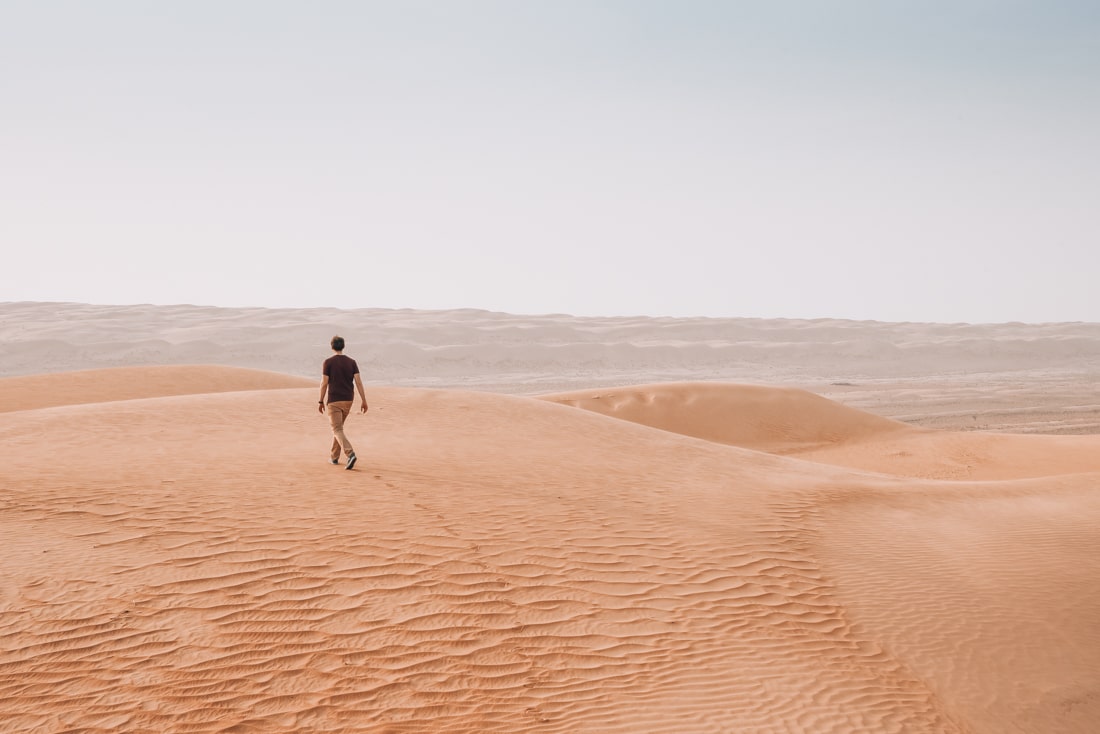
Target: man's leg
337,414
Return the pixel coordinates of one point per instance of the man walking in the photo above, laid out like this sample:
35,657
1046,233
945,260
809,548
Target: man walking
341,377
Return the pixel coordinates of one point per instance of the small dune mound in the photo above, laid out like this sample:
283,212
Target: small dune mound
131,383
773,419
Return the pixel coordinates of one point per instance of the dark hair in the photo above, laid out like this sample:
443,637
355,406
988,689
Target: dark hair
337,343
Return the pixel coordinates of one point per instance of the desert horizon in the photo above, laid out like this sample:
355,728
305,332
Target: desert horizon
1020,377
544,532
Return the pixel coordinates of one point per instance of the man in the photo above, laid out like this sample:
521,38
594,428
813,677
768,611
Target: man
340,374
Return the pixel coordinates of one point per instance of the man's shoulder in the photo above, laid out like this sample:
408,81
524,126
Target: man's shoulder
332,362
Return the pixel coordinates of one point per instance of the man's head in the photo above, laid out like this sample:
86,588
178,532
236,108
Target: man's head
337,343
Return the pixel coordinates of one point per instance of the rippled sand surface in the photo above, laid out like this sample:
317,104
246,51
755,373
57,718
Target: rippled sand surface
658,557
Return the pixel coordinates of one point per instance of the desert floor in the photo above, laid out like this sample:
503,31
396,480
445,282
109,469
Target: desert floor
812,547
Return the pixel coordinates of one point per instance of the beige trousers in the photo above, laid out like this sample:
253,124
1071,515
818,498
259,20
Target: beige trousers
338,413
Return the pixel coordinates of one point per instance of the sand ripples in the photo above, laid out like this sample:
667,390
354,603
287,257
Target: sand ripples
541,569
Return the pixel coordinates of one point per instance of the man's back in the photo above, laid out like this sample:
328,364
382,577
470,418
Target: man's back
340,370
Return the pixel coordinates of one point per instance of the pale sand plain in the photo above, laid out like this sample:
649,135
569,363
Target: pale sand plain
693,556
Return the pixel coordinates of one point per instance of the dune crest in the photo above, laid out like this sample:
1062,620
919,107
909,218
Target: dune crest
131,383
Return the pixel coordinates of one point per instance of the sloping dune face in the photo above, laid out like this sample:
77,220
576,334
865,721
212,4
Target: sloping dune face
751,416
129,383
956,455
503,564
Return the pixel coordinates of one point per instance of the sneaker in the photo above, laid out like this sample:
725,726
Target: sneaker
335,461
351,460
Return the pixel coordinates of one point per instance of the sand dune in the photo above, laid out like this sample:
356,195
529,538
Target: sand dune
191,563
798,423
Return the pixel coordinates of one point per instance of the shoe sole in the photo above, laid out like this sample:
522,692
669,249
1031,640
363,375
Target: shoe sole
351,462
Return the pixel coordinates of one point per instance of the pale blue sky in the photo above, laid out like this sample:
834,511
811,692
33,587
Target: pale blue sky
931,161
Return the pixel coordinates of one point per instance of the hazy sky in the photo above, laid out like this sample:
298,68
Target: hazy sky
874,159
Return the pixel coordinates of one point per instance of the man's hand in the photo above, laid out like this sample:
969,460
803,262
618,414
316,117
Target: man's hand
320,407
364,408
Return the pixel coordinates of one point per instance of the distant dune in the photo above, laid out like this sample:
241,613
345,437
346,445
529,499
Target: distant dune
751,416
190,562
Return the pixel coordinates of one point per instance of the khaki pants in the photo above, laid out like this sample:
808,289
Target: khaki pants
338,413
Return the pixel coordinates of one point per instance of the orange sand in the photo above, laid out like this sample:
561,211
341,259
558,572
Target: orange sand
192,563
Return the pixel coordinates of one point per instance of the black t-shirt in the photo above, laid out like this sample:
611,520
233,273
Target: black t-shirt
341,371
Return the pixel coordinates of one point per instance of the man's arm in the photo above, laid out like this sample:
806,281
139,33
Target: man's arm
363,395
324,389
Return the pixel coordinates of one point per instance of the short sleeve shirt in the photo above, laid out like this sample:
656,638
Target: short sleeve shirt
341,371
